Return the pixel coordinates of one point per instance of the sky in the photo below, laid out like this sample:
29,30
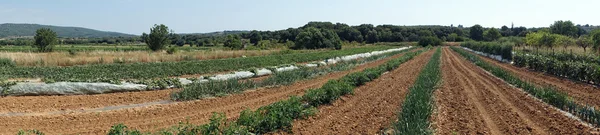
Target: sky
200,16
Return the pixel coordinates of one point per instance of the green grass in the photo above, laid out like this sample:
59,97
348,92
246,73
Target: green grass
116,72
280,115
547,94
417,108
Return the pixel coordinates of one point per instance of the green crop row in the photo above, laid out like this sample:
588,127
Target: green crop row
575,57
416,109
280,115
495,48
220,88
547,94
117,72
575,70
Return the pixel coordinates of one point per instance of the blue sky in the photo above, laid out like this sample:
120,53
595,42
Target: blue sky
192,16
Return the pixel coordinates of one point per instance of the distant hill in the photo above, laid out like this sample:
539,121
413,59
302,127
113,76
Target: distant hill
218,33
8,30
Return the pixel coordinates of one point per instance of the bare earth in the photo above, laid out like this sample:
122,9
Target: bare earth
472,101
150,118
371,109
581,92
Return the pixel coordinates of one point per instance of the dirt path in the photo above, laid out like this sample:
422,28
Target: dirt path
157,117
372,108
472,101
582,92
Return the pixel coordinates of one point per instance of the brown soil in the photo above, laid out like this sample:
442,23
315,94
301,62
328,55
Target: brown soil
372,108
158,117
581,92
471,101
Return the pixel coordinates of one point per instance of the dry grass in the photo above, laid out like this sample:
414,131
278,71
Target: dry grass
105,57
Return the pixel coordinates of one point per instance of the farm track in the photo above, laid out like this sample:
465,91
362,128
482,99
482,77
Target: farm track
472,101
156,117
583,93
371,109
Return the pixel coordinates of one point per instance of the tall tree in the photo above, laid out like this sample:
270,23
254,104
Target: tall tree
255,37
233,42
564,28
476,32
492,34
158,37
595,38
45,39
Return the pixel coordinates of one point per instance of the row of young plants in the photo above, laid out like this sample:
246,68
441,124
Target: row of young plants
416,109
564,56
199,90
117,72
583,71
547,94
495,48
279,115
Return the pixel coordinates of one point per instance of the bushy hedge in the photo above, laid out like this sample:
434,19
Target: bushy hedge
576,70
495,48
430,40
6,62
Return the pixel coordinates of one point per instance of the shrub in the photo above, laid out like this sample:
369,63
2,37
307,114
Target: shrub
6,62
430,40
495,48
172,50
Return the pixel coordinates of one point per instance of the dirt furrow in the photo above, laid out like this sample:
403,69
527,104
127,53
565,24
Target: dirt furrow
372,108
78,103
510,110
582,92
156,117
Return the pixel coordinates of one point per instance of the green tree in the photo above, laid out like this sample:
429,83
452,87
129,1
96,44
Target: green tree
492,34
255,37
595,38
45,39
564,41
158,37
564,28
430,40
372,36
233,42
584,42
314,38
476,32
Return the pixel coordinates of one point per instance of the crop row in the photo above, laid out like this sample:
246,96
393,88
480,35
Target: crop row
495,48
280,115
576,70
200,90
117,72
547,94
416,109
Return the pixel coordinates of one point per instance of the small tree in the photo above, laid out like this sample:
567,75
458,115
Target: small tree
564,41
158,37
584,42
233,42
45,39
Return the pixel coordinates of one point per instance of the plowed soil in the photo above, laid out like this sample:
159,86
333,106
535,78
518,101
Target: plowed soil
472,101
371,109
40,104
156,117
581,92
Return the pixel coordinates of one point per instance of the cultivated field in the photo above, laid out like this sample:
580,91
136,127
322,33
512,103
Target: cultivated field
419,90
